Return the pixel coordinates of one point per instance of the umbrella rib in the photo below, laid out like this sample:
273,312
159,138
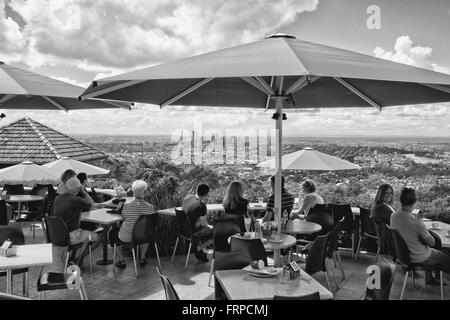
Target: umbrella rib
301,83
268,96
7,97
116,104
185,92
436,87
358,93
56,104
110,89
255,83
265,85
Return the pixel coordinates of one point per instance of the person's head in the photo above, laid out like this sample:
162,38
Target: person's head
308,186
73,186
202,191
235,193
272,182
83,178
139,187
69,173
385,194
408,197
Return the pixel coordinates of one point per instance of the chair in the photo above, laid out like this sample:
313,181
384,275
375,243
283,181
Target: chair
254,247
321,215
184,232
367,231
333,250
171,294
404,260
70,279
316,259
384,240
14,233
14,189
344,211
35,208
232,260
5,296
144,231
221,232
311,296
387,273
57,233
4,215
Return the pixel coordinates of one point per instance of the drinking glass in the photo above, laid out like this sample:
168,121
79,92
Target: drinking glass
247,222
260,200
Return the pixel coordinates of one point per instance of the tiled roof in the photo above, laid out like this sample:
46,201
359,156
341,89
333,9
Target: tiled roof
26,139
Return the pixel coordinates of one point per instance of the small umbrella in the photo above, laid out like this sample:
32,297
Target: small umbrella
26,171
21,89
310,159
57,167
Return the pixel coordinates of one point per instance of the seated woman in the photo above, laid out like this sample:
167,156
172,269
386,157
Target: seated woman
382,206
309,200
131,212
235,205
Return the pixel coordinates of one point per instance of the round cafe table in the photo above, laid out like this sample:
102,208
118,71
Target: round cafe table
298,226
23,198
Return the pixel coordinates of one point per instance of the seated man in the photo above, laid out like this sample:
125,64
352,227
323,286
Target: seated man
69,206
196,210
417,237
287,201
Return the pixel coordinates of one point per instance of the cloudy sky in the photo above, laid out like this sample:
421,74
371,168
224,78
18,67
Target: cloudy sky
80,40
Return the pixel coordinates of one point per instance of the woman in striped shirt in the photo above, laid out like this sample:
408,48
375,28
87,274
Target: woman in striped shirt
131,212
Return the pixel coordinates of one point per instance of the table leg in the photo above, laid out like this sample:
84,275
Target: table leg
9,281
19,205
277,258
105,260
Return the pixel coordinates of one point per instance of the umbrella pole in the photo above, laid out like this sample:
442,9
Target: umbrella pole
279,101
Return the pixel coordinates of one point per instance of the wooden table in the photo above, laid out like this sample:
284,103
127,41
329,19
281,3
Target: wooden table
443,232
100,216
30,255
298,226
23,198
214,207
240,285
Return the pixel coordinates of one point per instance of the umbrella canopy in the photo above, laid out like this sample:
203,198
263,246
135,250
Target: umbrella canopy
26,172
310,159
21,89
57,167
281,72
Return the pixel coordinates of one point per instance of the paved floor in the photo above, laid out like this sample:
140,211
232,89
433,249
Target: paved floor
104,284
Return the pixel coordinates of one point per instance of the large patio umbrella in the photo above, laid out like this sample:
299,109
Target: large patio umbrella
57,167
26,171
277,72
21,89
310,159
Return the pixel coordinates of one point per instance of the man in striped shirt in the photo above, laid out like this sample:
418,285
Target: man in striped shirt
287,201
131,212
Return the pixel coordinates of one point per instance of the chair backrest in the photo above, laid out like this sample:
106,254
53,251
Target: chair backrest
144,230
3,213
311,296
13,232
333,243
343,211
323,216
232,260
315,261
171,294
367,225
236,218
14,189
183,223
387,271
57,231
401,247
221,232
254,247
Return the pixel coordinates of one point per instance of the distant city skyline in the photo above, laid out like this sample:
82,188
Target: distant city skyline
77,41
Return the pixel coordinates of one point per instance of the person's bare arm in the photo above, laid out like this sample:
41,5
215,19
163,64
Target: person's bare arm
87,197
307,204
426,237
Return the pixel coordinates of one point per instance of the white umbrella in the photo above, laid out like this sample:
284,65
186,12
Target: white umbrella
310,159
26,172
57,167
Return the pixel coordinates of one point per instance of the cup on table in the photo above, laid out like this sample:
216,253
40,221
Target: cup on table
260,200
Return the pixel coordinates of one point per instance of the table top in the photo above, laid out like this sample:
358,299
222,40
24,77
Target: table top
214,207
24,198
100,216
240,285
29,255
443,232
298,226
286,241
